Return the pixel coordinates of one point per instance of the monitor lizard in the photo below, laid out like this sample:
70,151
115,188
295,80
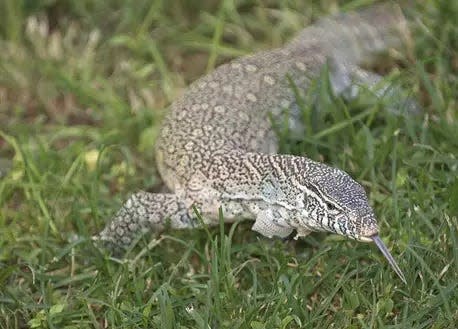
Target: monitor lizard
217,148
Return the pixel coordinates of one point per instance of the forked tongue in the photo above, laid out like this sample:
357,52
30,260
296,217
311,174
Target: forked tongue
388,257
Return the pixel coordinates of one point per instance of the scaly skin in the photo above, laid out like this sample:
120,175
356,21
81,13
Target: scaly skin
217,147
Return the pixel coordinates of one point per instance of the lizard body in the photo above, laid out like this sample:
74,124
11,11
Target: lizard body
217,147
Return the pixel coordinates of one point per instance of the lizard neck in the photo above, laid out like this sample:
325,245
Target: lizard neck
274,178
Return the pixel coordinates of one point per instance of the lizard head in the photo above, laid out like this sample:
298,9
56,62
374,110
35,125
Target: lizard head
335,202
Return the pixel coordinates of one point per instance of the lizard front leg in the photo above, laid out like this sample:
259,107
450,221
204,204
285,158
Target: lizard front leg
144,212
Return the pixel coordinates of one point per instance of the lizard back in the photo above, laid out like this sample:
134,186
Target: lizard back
228,110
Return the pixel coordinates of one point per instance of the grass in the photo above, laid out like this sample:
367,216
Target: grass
83,87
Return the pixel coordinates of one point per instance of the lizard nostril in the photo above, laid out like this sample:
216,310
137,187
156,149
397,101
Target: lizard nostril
366,233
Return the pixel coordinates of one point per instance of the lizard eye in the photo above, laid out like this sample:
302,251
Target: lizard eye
331,207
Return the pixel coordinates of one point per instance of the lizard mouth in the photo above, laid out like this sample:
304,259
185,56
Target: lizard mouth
365,239
379,243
